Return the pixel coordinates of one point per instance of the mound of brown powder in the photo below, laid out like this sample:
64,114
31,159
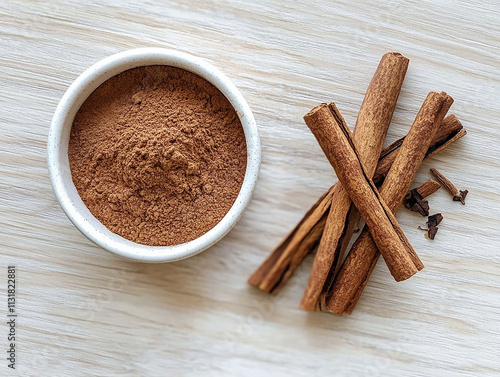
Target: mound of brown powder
158,155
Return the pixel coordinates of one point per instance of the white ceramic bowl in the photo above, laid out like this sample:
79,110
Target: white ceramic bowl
60,174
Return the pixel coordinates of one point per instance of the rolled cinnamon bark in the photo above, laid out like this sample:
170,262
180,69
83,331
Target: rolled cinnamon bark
371,128
360,262
428,188
334,137
369,134
279,266
451,126
304,237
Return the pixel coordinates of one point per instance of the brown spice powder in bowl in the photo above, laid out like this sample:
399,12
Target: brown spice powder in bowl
158,155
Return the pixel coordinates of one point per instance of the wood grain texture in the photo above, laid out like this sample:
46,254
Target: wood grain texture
85,312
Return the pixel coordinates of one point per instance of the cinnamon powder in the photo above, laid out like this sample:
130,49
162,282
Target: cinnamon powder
158,155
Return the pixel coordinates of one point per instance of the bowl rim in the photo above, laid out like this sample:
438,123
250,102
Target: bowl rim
63,186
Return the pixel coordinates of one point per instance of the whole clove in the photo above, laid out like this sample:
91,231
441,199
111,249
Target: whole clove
461,196
416,203
432,225
414,200
457,196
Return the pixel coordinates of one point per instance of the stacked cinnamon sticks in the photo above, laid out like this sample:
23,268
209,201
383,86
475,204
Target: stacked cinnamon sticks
373,183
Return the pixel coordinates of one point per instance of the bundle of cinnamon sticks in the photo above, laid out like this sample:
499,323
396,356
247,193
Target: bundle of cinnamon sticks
373,183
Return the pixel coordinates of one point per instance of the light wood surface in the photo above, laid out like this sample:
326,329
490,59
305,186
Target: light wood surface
85,312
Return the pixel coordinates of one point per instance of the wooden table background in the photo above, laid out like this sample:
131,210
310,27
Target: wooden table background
85,312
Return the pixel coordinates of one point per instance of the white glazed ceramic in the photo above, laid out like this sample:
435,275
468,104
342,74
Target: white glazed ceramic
58,165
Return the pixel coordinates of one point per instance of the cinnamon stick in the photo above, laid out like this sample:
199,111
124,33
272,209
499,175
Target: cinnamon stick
369,134
287,256
450,131
332,134
360,262
303,238
370,130
428,188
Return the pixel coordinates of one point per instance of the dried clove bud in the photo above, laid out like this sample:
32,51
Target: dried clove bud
432,225
457,196
416,203
461,197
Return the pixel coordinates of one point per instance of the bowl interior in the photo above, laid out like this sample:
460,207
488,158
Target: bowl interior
58,163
